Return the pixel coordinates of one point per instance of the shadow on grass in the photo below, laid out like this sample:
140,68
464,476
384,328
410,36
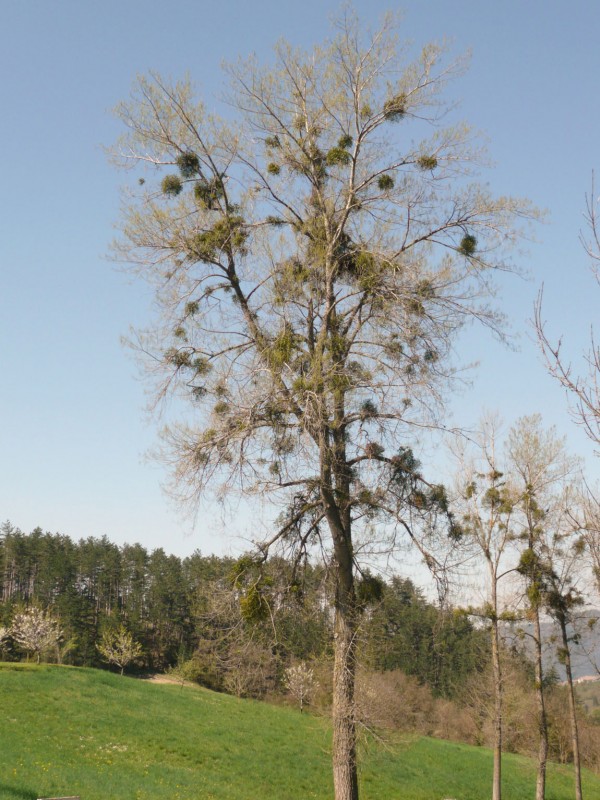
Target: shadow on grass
16,792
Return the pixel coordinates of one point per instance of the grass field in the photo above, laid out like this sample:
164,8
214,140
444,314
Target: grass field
69,731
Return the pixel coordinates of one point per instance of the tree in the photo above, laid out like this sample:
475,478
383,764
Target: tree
562,599
515,510
487,500
168,613
185,670
250,669
541,467
35,631
583,388
4,634
300,682
312,269
590,525
117,646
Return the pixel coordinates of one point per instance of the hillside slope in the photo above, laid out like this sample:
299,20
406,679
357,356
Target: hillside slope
68,731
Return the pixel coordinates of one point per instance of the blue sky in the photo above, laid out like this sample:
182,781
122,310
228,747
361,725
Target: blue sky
73,426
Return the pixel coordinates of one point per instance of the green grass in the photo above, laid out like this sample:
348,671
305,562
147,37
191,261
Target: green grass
68,731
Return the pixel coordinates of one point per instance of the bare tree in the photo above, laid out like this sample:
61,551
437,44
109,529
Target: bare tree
541,468
35,631
312,268
551,561
590,530
117,646
487,501
250,669
562,599
583,387
584,390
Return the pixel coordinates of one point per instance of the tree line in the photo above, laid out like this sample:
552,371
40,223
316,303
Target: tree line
259,630
177,607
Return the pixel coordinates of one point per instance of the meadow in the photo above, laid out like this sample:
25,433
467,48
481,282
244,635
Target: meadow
75,731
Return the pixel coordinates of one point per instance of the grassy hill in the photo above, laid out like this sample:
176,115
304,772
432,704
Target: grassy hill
68,731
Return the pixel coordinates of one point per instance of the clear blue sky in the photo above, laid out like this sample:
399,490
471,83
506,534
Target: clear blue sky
73,429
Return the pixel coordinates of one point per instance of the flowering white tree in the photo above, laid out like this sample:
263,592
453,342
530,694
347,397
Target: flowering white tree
118,647
35,631
300,682
4,634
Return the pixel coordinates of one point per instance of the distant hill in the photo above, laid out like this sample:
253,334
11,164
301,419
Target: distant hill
589,694
583,655
68,731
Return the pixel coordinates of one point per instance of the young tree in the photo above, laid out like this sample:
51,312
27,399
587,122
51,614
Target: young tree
561,600
487,501
301,683
541,467
117,646
312,267
186,670
35,631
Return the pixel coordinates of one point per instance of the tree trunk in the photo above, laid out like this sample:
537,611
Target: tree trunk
540,787
497,777
572,709
345,780
337,510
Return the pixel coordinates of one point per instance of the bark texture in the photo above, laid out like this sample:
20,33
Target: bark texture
497,668
345,778
540,786
572,708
